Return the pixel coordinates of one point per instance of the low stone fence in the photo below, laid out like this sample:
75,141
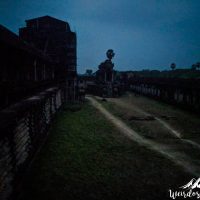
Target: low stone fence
23,129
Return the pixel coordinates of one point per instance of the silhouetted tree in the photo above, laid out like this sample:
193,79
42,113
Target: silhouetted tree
198,65
194,67
110,54
89,72
173,66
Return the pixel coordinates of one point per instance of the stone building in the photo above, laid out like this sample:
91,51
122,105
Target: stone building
106,76
55,39
24,70
103,82
37,77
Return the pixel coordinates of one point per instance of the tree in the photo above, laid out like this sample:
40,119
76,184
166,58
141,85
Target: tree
89,72
194,67
198,65
173,66
110,54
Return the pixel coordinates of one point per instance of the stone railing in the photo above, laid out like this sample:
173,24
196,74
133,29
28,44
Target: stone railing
23,129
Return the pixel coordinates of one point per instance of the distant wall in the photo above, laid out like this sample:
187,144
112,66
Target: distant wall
182,92
24,127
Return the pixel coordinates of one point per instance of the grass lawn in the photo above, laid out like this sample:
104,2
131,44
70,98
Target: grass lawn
85,157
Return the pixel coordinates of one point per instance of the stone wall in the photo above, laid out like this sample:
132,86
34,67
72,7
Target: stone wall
183,92
23,129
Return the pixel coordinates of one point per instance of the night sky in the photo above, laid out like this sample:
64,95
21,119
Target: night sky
143,33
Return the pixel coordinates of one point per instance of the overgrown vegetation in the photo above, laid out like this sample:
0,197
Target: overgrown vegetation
85,157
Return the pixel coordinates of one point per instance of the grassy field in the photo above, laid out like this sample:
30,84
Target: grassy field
85,157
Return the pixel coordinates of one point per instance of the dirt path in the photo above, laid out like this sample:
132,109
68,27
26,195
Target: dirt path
139,111
160,123
170,151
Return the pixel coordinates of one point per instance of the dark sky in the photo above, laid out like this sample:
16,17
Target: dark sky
143,33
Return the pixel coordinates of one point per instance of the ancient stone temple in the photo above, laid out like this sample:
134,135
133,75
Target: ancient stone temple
55,39
103,82
37,78
105,76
